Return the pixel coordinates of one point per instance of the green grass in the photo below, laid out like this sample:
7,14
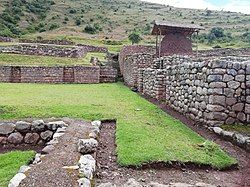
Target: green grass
31,60
237,128
11,162
144,132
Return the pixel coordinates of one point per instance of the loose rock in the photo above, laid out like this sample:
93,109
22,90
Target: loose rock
86,146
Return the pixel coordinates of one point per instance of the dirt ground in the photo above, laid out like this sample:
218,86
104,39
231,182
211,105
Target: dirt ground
109,171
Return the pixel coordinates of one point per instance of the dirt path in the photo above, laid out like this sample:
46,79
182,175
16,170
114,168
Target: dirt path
50,172
109,171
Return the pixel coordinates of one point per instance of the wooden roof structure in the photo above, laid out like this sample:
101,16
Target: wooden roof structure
164,28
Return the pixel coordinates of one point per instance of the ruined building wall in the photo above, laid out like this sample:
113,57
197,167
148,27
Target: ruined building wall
57,74
132,64
215,91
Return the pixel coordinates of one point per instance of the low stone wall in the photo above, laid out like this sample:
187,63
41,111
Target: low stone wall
35,133
52,50
57,74
5,39
55,42
44,50
214,92
224,52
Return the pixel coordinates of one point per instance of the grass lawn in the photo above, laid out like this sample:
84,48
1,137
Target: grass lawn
11,162
31,60
144,133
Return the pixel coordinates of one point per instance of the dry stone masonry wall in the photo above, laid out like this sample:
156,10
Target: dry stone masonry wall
215,91
57,74
35,133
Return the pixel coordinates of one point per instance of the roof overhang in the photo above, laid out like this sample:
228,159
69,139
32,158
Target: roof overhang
164,28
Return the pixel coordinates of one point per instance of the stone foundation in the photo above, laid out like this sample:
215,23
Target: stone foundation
35,133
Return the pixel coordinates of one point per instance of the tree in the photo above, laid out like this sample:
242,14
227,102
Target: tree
218,32
135,38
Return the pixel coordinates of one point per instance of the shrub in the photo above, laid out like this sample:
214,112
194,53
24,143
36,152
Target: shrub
78,22
134,37
53,26
90,29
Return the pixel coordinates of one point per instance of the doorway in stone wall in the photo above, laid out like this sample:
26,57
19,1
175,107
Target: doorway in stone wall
15,74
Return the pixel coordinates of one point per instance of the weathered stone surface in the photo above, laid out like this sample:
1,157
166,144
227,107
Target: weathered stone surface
232,72
240,78
57,135
31,138
3,140
37,158
230,121
233,84
227,135
84,182
216,108
202,184
231,101
180,185
56,124
227,78
217,100
238,107
48,149
214,78
96,123
38,126
86,146
217,85
47,135
15,138
87,166
6,128
24,169
92,135
247,108
156,184
217,130
16,180
240,139
22,126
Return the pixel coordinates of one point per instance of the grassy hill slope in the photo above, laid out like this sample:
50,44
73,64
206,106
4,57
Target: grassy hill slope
110,19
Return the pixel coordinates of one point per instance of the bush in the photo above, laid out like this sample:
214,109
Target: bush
72,11
135,37
90,29
53,26
78,22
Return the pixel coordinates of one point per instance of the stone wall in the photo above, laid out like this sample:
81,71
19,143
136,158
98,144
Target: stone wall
52,50
215,91
224,52
108,74
55,42
57,74
132,64
22,132
133,49
5,39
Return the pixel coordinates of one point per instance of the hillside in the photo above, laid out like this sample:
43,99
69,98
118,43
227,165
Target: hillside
107,19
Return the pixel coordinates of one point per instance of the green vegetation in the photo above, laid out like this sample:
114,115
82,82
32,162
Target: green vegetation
144,132
135,38
114,20
31,60
243,129
11,162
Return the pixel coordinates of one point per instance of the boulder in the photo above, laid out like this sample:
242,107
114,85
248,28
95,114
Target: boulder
86,146
38,126
239,139
22,126
47,135
15,138
217,130
31,138
24,169
6,128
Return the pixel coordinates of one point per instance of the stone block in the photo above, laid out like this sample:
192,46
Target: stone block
231,101
238,107
247,108
214,78
15,138
227,78
6,128
86,146
217,100
38,126
233,84
22,126
31,138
